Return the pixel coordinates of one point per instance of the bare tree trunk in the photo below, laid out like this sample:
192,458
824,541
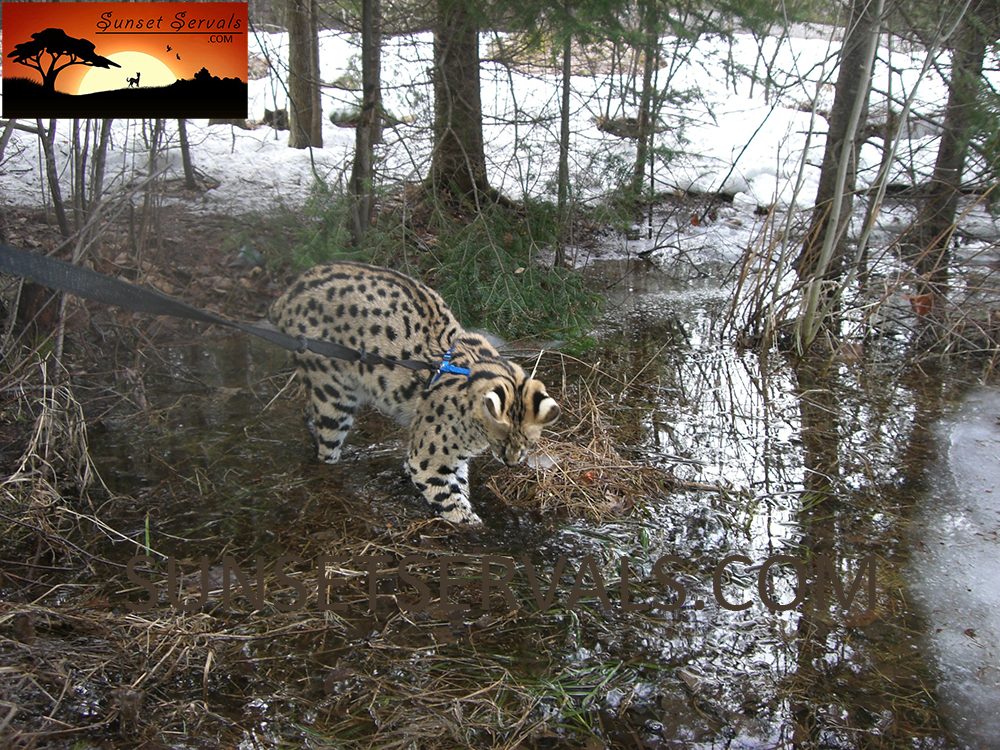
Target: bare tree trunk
651,47
562,200
47,138
303,81
99,161
316,129
458,164
79,195
838,174
936,222
821,263
368,129
374,60
189,180
149,218
5,138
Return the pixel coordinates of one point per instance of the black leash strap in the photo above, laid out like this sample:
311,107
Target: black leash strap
83,282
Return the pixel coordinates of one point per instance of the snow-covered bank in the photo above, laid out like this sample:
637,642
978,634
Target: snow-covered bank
722,132
956,567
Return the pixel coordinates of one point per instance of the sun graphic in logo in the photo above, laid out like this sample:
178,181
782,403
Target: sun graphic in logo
150,70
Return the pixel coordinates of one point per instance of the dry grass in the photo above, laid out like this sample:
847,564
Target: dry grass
77,666
359,679
592,481
581,472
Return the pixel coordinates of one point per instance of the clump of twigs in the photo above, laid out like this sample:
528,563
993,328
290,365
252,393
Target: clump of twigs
952,327
581,472
58,443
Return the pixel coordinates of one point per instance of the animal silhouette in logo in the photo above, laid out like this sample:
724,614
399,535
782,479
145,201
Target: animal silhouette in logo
133,81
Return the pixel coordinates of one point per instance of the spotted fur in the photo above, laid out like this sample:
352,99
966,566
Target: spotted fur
451,419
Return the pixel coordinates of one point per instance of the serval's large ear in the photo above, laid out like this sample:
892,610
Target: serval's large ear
493,407
544,409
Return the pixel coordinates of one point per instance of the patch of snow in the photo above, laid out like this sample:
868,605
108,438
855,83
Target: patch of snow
955,569
723,133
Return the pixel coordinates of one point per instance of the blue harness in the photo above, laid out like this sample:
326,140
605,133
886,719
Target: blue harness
447,367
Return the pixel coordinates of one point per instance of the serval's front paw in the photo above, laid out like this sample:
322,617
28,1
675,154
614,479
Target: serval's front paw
462,515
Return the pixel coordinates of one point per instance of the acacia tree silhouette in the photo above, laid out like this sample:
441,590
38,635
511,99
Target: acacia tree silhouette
57,44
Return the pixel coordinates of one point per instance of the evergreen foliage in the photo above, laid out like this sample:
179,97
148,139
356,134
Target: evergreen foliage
485,265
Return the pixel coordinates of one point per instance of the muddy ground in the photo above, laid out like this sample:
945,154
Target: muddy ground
171,443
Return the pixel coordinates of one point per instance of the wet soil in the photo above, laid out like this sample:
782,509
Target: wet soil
199,441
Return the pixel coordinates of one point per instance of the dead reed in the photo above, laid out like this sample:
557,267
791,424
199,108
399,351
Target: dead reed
78,667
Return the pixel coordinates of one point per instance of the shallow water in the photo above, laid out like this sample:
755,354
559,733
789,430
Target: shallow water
827,458
956,566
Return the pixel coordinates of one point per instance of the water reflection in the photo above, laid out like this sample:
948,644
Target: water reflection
815,456
819,458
